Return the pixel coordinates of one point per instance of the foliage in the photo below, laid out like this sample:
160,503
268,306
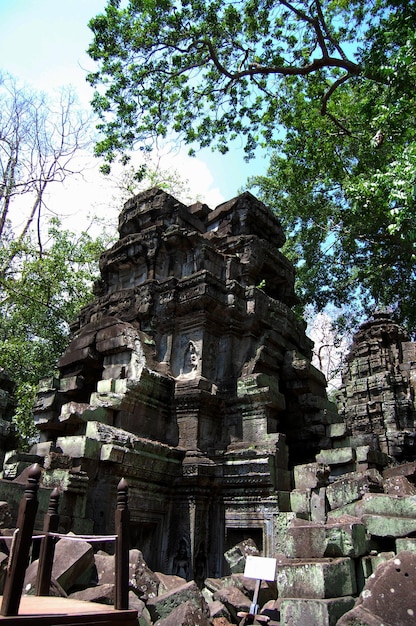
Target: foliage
45,273
346,192
150,172
328,84
40,295
39,140
210,70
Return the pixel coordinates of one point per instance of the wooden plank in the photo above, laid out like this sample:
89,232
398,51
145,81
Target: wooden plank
52,611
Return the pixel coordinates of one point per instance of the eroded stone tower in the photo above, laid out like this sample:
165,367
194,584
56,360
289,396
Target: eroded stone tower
191,376
377,396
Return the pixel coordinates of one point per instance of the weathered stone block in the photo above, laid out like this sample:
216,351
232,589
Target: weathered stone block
236,557
388,596
311,475
389,525
305,540
399,486
79,447
72,412
71,383
296,611
355,509
115,454
404,469
281,525
352,487
347,537
337,430
73,563
319,506
48,384
161,606
234,599
186,613
407,544
325,578
300,502
367,565
107,400
386,504
336,456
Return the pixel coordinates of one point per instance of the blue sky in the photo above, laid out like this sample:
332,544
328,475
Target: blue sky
43,42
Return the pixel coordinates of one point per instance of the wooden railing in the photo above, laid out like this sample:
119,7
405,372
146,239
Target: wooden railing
22,541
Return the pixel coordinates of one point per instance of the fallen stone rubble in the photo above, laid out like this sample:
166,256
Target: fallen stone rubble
349,559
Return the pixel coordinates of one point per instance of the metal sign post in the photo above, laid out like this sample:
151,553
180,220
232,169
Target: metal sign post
259,568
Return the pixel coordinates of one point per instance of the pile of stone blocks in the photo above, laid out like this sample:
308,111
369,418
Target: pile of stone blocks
340,530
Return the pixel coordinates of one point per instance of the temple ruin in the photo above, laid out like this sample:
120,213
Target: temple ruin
377,395
191,376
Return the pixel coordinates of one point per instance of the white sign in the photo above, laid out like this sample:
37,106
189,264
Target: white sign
261,568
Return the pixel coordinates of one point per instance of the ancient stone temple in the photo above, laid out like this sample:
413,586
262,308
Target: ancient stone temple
377,397
191,376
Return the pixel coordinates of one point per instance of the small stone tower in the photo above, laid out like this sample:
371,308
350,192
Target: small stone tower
377,396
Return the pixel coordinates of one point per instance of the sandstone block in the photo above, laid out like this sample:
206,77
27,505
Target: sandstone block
103,594
79,446
73,563
167,582
367,565
352,487
234,599
236,556
399,486
389,525
347,537
71,383
305,540
110,452
143,615
324,578
186,614
141,578
218,609
386,504
336,456
311,475
161,606
407,543
337,430
405,469
48,384
300,502
354,509
388,595
319,505
29,586
282,522
267,590
322,612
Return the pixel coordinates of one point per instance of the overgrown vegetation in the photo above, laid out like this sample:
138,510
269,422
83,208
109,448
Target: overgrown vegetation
329,86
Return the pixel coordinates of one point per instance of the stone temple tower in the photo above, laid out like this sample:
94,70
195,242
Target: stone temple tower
377,396
191,376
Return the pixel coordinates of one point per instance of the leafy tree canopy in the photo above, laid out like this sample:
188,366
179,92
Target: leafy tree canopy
40,295
328,84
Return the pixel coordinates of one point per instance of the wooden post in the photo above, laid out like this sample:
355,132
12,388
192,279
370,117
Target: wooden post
122,524
20,547
47,546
